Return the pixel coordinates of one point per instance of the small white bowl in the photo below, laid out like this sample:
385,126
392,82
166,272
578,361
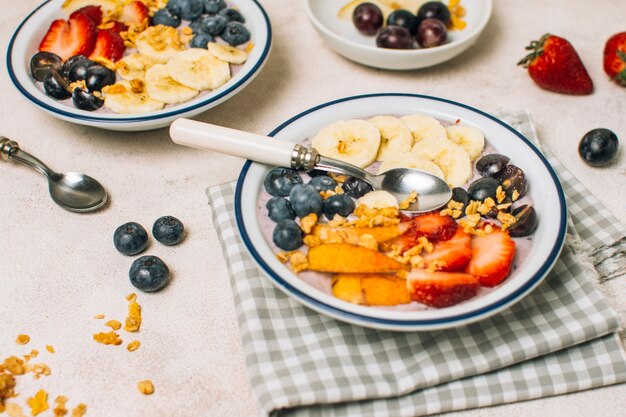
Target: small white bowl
25,41
345,39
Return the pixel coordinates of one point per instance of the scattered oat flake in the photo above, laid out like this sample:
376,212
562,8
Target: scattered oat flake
114,324
50,348
7,387
40,369
98,316
14,365
22,339
38,403
410,199
60,410
133,320
15,410
131,297
249,47
145,387
133,346
80,410
108,338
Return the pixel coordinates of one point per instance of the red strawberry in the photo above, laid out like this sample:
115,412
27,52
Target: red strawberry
116,26
135,13
92,12
615,58
75,36
451,255
492,256
109,45
433,226
441,289
554,65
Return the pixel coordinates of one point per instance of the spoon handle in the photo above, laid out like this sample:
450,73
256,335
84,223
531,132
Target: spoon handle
247,145
11,150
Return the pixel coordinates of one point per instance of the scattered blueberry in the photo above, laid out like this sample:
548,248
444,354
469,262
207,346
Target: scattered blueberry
305,199
279,208
165,17
201,40
340,204
41,63
235,34
78,70
168,230
323,183
97,77
483,188
356,188
214,25
191,9
598,147
214,6
287,235
130,238
56,86
279,181
232,15
149,273
84,100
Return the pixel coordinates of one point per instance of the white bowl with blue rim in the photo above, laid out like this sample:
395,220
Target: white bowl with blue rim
544,190
26,39
343,37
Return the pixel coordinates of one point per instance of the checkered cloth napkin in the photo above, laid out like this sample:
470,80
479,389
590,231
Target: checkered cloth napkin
561,338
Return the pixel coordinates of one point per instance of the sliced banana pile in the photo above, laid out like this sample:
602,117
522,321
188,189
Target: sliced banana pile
168,71
413,141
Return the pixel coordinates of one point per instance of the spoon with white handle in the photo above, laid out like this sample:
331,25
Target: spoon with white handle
432,191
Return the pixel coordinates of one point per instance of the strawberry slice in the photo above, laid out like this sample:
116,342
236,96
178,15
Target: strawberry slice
433,226
441,289
92,12
75,36
109,45
135,13
492,256
451,255
116,26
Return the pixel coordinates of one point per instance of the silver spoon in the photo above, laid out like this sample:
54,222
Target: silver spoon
432,191
72,191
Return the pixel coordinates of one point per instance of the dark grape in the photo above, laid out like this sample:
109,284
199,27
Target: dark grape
598,147
41,63
431,33
483,188
434,10
460,196
394,37
491,165
403,18
367,18
97,77
526,221
56,86
84,100
513,181
355,188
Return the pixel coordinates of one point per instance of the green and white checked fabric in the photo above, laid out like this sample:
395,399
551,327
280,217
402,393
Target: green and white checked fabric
561,338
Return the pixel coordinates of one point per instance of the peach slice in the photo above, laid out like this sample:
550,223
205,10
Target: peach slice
352,235
371,289
341,257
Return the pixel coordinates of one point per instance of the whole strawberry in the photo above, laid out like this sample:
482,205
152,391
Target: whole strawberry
554,65
615,58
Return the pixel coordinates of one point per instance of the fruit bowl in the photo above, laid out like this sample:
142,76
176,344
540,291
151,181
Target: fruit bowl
25,41
544,190
343,37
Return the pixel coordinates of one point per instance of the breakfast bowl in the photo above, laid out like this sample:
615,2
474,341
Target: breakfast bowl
535,253
26,41
343,37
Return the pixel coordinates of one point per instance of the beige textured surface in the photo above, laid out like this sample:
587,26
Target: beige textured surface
57,269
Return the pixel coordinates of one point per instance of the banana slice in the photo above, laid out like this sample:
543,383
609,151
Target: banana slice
107,6
227,53
134,66
378,199
198,68
130,97
410,160
159,43
423,127
395,137
352,141
470,139
347,10
452,159
162,87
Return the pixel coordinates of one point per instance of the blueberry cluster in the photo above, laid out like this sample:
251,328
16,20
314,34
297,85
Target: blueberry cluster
208,19
292,198
148,273
79,78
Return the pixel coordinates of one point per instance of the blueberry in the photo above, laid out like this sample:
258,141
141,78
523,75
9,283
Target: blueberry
130,238
305,199
323,183
149,273
191,9
232,15
174,6
56,86
356,188
235,34
287,235
84,100
168,230
598,147
165,17
201,40
340,204
214,6
316,173
196,25
214,25
97,77
41,62
279,181
279,208
78,70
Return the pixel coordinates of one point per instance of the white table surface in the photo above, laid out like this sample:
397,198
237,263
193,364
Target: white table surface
58,269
